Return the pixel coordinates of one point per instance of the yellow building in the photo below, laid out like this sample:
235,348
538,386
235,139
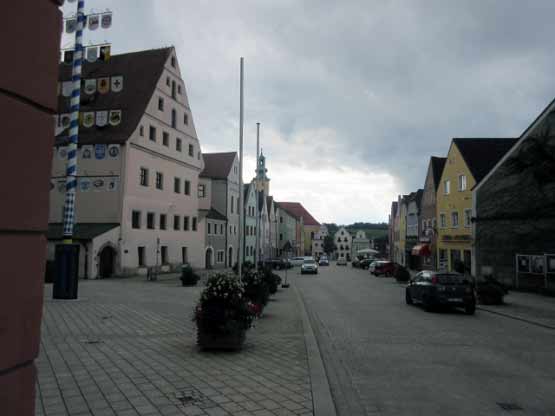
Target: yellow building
468,161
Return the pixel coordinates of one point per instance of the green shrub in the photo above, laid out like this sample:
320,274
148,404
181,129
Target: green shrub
256,287
272,280
188,276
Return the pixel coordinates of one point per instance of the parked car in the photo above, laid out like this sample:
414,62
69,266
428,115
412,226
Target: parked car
341,261
309,266
323,261
277,263
382,267
355,263
365,263
433,289
296,261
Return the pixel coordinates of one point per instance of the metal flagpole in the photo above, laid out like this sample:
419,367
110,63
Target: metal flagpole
257,196
241,213
71,170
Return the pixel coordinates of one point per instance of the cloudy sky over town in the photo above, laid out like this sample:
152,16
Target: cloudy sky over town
352,96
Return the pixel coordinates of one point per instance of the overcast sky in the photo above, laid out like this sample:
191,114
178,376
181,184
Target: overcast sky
353,97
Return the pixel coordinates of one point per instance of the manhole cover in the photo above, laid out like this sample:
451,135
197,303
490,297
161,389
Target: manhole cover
509,406
194,397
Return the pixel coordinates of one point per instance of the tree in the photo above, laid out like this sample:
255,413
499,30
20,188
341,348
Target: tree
329,245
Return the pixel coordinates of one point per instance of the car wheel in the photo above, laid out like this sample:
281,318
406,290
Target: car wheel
470,308
428,305
408,297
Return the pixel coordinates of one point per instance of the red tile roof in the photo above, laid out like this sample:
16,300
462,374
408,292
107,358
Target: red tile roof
297,210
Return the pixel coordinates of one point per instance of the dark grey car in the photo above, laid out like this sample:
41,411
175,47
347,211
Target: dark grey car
433,289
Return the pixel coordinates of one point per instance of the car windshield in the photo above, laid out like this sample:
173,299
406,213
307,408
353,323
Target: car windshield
309,262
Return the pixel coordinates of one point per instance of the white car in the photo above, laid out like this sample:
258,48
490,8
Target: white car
341,261
296,261
309,266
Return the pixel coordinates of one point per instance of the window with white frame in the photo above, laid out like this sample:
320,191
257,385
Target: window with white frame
220,256
462,183
446,187
467,217
455,219
442,220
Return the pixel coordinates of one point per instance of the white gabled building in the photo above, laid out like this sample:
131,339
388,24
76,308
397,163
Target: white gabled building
137,202
318,242
343,240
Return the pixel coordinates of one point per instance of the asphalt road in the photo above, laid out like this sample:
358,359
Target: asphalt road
383,357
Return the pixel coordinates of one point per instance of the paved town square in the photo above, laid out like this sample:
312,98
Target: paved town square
127,347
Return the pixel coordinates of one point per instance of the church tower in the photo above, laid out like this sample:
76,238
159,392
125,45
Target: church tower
262,181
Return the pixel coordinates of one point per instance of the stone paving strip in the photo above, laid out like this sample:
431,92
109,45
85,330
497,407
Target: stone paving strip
127,347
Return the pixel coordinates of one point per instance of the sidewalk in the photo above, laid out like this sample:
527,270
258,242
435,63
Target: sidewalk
126,347
529,307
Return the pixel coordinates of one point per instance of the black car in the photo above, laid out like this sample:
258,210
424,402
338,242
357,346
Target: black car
365,263
433,289
355,263
278,264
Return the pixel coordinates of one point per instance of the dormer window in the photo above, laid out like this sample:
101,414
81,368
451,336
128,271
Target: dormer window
173,61
185,119
173,90
179,89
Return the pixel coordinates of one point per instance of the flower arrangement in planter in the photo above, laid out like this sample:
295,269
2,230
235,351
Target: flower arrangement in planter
256,289
188,276
223,314
272,280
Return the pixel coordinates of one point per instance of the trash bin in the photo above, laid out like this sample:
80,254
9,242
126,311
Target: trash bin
66,271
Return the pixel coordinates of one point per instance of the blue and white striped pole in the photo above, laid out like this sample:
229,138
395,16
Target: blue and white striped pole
71,170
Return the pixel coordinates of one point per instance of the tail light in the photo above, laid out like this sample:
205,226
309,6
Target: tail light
435,281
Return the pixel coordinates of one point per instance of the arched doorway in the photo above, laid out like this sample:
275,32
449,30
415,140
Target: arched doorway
107,259
230,257
208,258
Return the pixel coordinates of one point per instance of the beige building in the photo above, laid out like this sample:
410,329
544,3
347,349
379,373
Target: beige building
138,166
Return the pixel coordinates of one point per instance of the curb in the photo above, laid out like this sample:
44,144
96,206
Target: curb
516,318
322,401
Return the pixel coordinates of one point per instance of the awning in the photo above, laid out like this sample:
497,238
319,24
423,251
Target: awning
421,250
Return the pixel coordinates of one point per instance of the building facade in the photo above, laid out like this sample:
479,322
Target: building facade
412,251
249,239
318,242
360,242
468,161
212,225
343,243
514,211
138,166
428,230
287,227
219,190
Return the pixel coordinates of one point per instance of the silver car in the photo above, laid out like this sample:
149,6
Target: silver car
296,261
309,266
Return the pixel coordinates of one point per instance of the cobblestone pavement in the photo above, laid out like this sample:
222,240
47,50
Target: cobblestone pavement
127,347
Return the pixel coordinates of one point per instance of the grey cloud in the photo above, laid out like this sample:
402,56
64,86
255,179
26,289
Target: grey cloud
395,80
